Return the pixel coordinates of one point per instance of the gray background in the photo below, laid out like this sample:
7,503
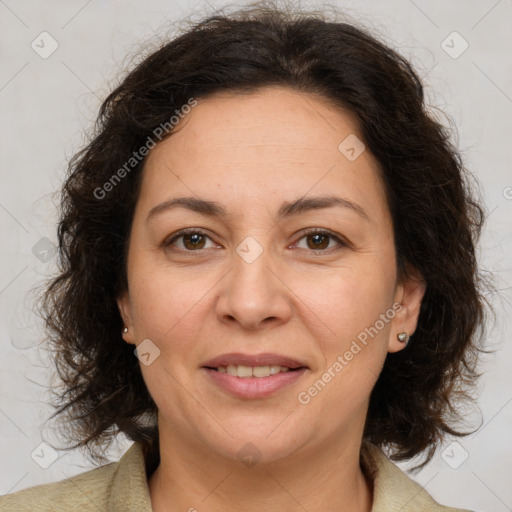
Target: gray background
47,101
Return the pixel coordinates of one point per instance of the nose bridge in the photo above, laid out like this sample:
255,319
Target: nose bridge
253,293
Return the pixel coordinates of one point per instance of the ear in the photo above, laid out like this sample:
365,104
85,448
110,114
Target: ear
125,309
409,294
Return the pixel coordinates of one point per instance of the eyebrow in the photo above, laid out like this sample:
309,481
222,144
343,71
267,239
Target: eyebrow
287,209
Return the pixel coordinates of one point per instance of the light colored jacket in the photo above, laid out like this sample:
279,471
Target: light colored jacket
122,487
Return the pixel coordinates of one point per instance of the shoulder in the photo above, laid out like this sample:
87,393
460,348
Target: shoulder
100,489
393,490
87,491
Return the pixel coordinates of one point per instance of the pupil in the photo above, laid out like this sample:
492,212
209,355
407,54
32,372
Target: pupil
316,240
194,239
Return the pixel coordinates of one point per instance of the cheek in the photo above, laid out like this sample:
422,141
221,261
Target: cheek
349,299
165,301
352,338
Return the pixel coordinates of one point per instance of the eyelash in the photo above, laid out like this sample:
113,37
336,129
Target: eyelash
313,231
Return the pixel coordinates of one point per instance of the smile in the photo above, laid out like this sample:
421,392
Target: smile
252,371
253,382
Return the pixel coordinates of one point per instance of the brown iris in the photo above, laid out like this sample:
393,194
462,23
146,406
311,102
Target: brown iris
316,237
196,241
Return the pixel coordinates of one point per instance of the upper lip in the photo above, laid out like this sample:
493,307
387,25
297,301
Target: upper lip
265,359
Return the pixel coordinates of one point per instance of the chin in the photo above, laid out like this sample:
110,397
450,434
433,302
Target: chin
265,439
256,451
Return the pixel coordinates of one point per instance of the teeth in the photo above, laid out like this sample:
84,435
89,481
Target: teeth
275,369
260,371
252,371
243,371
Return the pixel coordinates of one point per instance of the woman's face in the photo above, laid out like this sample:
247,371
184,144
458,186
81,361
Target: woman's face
252,280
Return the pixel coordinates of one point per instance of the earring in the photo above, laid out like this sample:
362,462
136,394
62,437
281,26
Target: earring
403,337
125,330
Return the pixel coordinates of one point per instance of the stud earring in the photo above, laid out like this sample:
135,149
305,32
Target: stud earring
403,337
125,330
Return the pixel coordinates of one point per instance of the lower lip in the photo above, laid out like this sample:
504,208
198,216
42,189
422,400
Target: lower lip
254,387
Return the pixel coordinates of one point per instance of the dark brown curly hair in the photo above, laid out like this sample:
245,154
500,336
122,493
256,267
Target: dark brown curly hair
436,215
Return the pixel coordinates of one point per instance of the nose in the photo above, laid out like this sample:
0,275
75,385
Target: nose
253,294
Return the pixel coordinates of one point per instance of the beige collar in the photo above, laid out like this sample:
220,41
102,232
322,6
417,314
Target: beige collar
393,490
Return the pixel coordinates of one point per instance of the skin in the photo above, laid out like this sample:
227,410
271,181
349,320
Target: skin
251,153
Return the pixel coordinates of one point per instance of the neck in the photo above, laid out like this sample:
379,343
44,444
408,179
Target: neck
190,477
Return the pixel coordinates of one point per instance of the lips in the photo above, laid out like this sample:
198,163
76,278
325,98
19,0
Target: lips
265,359
271,373
249,388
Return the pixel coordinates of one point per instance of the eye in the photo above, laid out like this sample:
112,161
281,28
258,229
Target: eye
192,240
319,240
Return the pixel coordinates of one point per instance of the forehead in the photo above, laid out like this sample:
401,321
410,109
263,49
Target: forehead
275,142
269,118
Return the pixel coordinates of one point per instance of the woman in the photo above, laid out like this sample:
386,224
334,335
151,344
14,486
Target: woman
271,221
